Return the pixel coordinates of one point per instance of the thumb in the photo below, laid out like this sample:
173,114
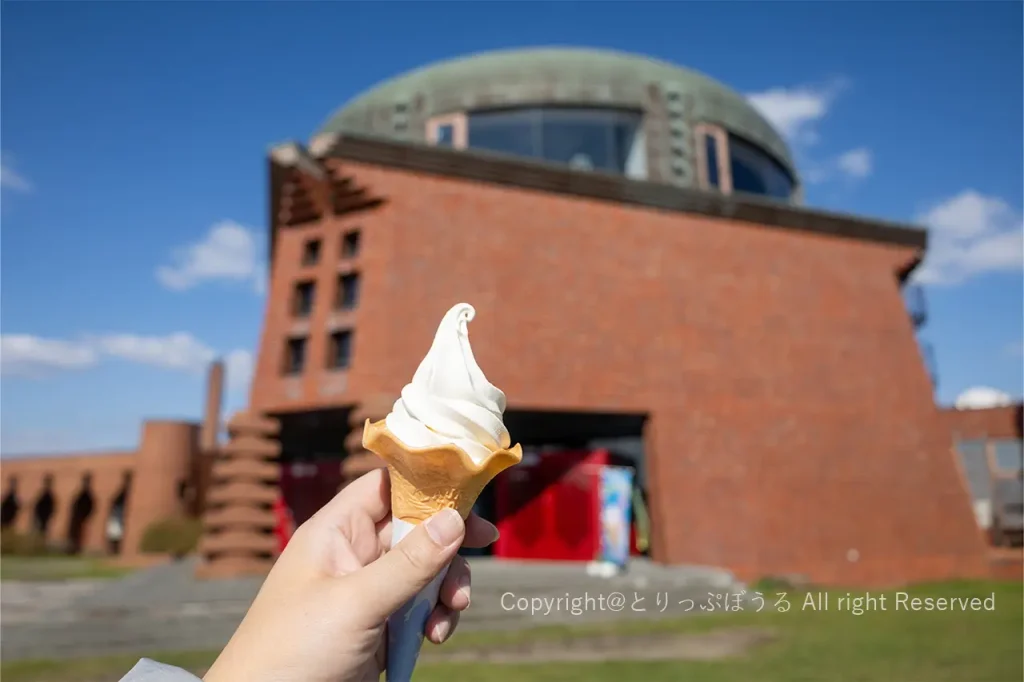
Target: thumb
386,584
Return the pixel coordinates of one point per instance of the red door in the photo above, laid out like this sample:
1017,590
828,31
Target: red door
308,486
547,507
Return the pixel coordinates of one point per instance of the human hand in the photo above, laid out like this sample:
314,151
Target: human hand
321,612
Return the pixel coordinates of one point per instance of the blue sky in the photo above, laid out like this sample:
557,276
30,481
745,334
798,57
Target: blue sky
134,138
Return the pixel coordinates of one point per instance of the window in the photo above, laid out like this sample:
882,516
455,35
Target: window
608,140
445,136
514,132
448,130
348,292
311,252
340,350
975,467
729,163
1008,455
754,171
295,355
711,156
302,303
350,244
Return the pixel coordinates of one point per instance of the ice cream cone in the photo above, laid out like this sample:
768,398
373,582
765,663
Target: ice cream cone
426,480
423,482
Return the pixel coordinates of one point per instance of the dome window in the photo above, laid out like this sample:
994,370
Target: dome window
728,163
447,131
585,139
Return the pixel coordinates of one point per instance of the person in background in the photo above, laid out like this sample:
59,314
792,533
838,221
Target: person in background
321,613
115,528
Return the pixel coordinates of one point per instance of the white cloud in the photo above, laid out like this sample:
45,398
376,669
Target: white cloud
10,178
795,111
32,356
856,163
971,234
229,251
981,398
238,364
180,351
27,355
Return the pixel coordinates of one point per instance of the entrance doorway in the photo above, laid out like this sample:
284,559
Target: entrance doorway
312,449
10,506
81,511
545,501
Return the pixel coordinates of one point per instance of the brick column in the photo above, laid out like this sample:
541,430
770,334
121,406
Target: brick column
66,485
163,463
238,522
106,487
30,487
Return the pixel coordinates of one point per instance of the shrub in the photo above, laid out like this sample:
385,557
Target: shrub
176,536
23,544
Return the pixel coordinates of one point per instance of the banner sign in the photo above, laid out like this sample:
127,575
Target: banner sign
616,496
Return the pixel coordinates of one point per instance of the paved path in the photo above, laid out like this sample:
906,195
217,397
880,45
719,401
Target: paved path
165,609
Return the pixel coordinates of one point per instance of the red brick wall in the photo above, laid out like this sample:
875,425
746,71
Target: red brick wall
998,422
167,455
792,426
107,471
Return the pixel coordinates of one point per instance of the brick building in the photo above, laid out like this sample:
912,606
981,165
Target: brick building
632,236
102,502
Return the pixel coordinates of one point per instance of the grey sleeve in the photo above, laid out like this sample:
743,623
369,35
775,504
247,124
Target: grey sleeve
151,671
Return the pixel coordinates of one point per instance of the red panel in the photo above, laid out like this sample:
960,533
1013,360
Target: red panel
548,509
307,486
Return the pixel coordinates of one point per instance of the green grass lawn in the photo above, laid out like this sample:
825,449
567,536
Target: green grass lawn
57,568
832,646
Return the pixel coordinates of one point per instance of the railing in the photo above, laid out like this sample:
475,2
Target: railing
928,355
913,297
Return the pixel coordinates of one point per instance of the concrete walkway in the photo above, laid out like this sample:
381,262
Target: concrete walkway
165,609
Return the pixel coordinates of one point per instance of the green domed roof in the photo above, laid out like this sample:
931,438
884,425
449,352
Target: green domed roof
551,75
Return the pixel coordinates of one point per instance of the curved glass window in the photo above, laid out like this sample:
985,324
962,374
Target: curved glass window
607,140
755,172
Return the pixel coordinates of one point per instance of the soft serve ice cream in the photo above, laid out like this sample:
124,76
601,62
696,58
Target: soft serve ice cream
450,401
443,441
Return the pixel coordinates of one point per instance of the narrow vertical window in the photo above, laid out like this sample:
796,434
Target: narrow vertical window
711,159
350,244
302,302
340,350
311,252
445,136
295,355
348,292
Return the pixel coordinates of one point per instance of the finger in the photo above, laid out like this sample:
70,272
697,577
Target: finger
479,532
389,582
441,624
371,493
455,592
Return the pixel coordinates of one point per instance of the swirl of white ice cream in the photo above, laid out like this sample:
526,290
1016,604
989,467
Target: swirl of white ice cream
450,401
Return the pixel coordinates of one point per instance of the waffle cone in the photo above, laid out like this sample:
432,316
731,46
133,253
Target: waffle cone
426,480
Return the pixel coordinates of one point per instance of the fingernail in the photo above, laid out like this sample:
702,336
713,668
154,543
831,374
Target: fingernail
442,631
445,527
463,587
